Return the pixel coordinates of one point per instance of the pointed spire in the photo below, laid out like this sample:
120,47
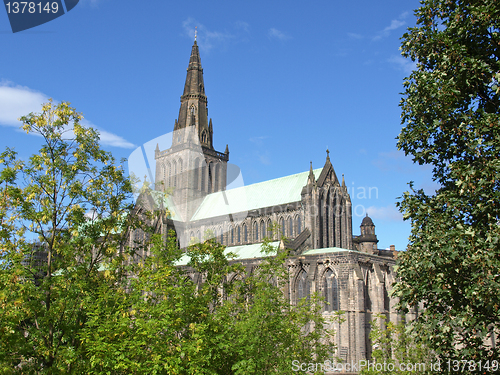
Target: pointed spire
157,147
343,181
311,177
194,105
227,150
194,78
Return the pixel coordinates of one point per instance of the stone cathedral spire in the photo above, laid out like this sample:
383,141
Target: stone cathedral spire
191,168
194,104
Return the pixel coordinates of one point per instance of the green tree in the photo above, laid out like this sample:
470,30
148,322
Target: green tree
227,323
397,349
269,332
450,272
47,287
83,300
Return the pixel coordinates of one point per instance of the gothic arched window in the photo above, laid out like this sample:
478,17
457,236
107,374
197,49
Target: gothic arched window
330,291
239,234
245,233
299,225
290,227
282,225
262,229
202,176
232,235
368,300
217,177
255,231
169,174
174,174
196,172
302,285
210,166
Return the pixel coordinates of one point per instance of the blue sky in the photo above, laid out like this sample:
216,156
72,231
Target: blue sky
285,80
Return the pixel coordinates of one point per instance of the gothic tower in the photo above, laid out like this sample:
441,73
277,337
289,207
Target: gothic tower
191,168
328,209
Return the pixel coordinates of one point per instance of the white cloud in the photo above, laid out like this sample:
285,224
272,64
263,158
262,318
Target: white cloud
388,213
206,38
355,36
277,34
108,138
258,140
406,65
395,24
243,26
17,101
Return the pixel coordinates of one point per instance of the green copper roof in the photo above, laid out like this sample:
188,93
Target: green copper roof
240,252
246,198
327,250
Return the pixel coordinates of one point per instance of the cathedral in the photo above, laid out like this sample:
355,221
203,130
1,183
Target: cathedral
312,210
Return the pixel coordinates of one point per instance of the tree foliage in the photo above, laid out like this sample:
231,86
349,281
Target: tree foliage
397,349
227,323
78,297
451,118
46,286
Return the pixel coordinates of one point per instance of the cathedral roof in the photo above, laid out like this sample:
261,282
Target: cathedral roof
253,251
251,197
239,252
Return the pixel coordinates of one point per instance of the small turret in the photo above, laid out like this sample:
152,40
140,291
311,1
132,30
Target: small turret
367,241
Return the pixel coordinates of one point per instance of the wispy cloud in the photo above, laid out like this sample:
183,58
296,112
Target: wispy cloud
208,39
242,26
406,65
259,141
17,101
395,24
261,153
277,34
355,36
388,213
264,157
108,138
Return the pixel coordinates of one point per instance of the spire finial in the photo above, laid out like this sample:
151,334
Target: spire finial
195,32
311,172
327,154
